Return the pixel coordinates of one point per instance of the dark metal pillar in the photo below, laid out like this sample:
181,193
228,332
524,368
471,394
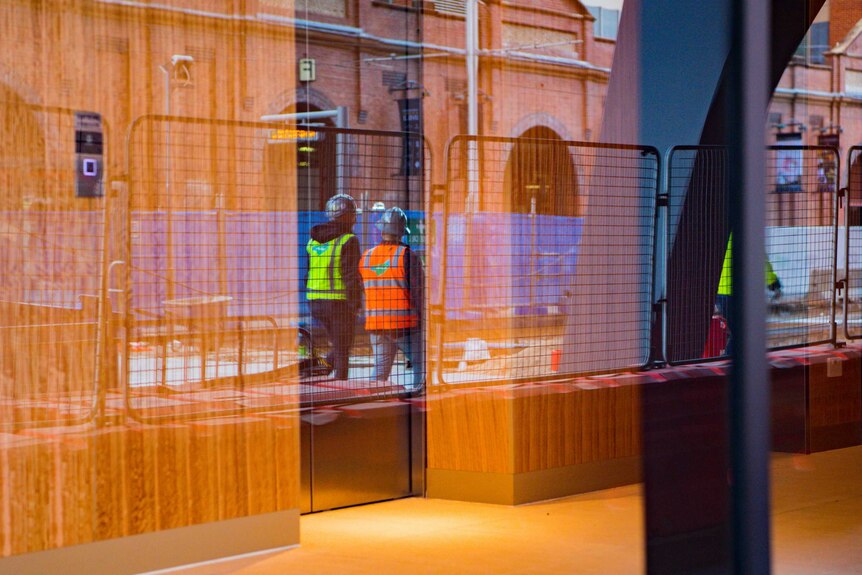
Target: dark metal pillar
749,398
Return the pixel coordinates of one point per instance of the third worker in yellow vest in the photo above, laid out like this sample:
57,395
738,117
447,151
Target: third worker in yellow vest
723,300
393,280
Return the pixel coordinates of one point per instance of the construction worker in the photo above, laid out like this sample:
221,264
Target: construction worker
393,280
723,300
334,288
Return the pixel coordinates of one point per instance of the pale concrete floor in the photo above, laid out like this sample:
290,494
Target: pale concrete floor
817,529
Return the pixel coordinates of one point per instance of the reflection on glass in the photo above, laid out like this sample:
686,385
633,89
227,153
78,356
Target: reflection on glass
252,254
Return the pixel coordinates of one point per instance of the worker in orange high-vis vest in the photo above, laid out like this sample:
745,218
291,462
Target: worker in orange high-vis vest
393,281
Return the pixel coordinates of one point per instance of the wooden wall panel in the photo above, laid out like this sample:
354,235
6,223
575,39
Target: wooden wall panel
140,479
70,475
260,466
835,400
470,430
567,424
74,484
817,399
203,455
107,451
534,427
63,486
174,481
286,459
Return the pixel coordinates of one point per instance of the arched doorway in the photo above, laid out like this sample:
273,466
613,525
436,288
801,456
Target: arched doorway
540,175
22,155
306,153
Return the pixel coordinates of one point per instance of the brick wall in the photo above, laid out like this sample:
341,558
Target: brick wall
843,14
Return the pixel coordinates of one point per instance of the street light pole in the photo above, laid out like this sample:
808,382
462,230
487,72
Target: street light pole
471,22
169,71
471,35
169,251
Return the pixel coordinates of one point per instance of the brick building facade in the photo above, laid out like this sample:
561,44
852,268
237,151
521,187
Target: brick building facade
540,69
118,59
541,72
820,92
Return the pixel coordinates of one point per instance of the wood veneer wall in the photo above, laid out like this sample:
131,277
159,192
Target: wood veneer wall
516,429
65,486
72,474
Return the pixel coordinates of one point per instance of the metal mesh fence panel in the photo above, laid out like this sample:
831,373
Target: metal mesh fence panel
850,264
697,174
380,171
210,292
547,258
51,254
801,244
220,220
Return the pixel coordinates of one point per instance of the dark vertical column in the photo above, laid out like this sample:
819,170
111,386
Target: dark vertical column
748,96
694,522
660,93
697,251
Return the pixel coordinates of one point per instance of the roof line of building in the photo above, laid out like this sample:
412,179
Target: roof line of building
349,31
352,32
168,8
842,46
558,60
818,94
360,33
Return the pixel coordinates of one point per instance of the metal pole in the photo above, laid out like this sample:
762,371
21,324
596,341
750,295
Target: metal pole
169,246
471,204
340,149
471,23
533,258
471,35
749,383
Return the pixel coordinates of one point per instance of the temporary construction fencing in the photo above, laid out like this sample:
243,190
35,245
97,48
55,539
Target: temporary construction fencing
546,259
801,249
219,217
52,249
849,284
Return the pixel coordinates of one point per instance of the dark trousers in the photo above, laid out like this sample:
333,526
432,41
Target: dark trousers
338,318
724,303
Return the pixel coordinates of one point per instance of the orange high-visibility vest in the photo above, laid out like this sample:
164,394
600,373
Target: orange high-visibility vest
387,295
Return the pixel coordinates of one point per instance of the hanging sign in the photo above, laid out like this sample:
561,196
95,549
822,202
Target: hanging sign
827,169
788,172
292,135
410,111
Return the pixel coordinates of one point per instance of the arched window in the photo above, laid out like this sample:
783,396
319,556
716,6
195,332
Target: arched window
22,149
541,175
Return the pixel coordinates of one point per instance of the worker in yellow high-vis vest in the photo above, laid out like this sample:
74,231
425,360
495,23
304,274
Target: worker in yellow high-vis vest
334,288
723,300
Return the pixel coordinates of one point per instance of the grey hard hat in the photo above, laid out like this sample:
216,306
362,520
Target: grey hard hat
340,206
393,222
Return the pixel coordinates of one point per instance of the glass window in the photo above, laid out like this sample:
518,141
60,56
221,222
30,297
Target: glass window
254,252
607,22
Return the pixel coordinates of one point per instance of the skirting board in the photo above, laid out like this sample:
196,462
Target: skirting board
163,549
517,488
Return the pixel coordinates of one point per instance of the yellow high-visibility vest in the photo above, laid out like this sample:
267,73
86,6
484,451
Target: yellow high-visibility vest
324,269
725,284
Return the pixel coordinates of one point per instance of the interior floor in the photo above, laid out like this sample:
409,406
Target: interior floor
816,528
